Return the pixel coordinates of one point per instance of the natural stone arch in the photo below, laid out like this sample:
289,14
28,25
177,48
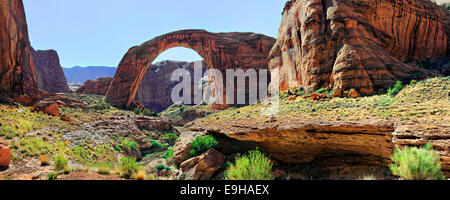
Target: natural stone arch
219,50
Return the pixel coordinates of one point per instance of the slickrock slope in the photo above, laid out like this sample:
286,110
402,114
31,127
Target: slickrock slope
16,62
359,44
49,73
156,87
219,50
99,86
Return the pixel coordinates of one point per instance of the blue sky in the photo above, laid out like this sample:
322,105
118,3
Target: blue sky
99,32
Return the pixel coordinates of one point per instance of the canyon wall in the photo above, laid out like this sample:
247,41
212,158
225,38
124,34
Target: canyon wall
98,87
358,44
16,61
49,73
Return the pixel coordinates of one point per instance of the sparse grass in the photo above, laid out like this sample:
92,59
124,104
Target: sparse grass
140,176
202,144
368,178
52,176
254,166
417,164
429,98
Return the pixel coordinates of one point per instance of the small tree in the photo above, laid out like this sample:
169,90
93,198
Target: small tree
254,166
396,89
417,164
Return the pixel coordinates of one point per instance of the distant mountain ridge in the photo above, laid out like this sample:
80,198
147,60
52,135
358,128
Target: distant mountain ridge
82,74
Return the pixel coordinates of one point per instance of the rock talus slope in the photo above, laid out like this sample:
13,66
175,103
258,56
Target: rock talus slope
357,44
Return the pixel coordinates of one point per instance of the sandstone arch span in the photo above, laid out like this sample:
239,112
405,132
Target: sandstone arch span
219,50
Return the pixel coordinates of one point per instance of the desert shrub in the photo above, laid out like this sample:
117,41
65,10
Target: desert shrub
102,106
396,89
417,164
140,175
129,145
202,144
61,163
105,168
368,178
161,167
45,160
128,166
137,111
168,154
413,82
52,176
254,166
157,145
170,137
34,147
145,111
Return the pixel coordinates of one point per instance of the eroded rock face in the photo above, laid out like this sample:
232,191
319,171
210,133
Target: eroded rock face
16,62
99,86
219,50
324,146
156,87
357,44
49,73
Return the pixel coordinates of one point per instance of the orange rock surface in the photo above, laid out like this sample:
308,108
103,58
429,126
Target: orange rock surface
359,44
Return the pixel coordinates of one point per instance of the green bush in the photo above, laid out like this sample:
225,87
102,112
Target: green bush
170,137
102,106
417,164
129,145
202,144
137,111
52,176
61,163
168,154
157,145
396,89
161,167
128,166
254,166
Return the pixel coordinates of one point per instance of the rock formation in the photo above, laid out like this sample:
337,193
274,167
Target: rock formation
219,50
99,86
16,61
156,87
49,73
358,44
202,167
5,154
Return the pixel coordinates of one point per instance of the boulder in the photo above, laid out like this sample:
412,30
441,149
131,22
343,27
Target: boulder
47,107
202,167
183,145
5,154
362,45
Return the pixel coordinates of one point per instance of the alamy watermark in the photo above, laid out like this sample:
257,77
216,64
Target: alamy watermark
236,87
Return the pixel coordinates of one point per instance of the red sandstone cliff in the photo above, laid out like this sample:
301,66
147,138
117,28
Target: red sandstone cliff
16,62
49,73
360,44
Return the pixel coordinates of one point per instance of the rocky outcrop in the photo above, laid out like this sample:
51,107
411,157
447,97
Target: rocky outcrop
98,87
49,73
319,147
357,44
183,145
156,87
219,50
47,107
5,154
16,61
202,167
